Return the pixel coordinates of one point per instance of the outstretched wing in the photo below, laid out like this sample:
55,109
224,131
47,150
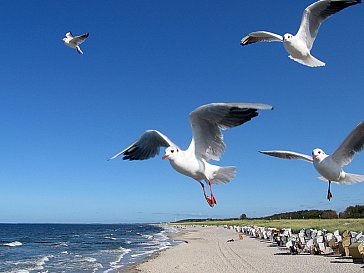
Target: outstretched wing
208,120
288,155
352,144
69,35
318,12
147,146
80,39
260,36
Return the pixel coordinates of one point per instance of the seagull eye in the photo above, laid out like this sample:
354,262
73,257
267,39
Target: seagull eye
319,152
172,151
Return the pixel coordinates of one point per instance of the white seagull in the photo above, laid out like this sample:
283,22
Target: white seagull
300,45
207,143
74,42
329,166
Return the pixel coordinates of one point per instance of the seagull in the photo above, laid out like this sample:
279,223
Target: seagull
207,143
330,166
300,45
74,42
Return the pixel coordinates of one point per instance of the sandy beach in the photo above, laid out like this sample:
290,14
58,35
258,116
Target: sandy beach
206,249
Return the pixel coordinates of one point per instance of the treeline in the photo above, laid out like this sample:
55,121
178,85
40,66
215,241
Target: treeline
350,212
304,214
353,212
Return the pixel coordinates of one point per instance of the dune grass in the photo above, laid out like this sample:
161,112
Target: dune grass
295,224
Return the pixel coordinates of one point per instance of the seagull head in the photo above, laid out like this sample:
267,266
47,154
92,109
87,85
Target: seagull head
171,153
318,154
287,37
64,39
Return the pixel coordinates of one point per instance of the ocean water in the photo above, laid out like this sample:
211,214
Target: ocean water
77,247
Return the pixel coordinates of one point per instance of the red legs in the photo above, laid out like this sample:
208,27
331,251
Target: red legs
329,195
208,199
212,195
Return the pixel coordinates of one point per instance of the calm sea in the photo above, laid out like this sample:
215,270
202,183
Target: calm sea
78,248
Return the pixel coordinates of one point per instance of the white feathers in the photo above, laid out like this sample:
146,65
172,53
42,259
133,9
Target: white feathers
299,46
74,42
330,166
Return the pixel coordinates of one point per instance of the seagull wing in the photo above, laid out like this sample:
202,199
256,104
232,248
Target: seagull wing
352,144
208,120
69,35
316,13
288,155
260,36
80,39
147,146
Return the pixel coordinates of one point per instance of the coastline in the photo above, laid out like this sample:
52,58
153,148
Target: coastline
216,249
177,237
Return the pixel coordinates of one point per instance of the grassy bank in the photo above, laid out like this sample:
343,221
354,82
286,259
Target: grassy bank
295,224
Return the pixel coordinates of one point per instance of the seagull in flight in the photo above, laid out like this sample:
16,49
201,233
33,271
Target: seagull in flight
299,46
207,143
330,166
74,42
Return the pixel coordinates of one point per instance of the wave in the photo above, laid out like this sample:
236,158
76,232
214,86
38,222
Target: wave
15,243
143,253
25,266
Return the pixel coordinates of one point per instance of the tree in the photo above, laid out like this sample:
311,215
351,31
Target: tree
243,216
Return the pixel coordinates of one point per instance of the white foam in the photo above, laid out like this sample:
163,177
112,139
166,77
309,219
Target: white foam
12,244
142,254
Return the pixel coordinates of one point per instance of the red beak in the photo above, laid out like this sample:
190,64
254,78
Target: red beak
165,156
314,156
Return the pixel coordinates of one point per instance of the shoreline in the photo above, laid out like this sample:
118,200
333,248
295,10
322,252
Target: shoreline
177,237
216,249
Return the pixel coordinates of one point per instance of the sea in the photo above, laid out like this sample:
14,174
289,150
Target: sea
28,248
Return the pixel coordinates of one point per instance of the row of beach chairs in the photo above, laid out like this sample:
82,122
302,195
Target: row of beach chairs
310,241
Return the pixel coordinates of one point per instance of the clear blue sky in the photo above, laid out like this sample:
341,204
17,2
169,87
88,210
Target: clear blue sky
147,65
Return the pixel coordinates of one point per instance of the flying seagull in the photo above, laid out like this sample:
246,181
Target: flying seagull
300,45
207,143
74,42
330,166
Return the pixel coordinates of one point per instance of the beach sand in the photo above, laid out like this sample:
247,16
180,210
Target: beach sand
205,249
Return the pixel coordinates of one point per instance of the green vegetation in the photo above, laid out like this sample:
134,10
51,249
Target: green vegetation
305,214
353,212
351,219
295,224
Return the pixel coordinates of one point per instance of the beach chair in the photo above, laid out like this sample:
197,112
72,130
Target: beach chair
346,242
356,252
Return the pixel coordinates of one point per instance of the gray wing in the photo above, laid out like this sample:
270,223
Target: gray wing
208,120
147,146
80,39
318,12
260,36
352,144
288,155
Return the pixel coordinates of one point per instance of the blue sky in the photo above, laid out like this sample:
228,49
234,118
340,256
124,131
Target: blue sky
147,65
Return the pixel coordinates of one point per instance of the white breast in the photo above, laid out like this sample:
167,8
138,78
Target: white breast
189,166
328,168
296,48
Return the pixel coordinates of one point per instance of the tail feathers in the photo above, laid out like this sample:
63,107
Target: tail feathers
346,178
350,178
309,61
224,174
